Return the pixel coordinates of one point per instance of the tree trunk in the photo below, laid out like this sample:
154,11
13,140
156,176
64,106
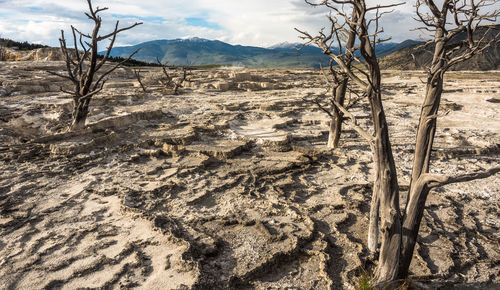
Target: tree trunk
388,196
80,112
333,134
386,189
426,131
418,192
374,208
336,122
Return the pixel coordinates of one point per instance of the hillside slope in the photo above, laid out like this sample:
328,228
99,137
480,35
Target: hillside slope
402,59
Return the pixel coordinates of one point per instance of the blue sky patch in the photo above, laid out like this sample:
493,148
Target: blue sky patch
151,19
200,22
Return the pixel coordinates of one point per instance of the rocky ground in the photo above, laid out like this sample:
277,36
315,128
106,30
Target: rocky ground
229,185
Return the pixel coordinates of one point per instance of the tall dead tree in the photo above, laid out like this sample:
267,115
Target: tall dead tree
83,64
452,43
398,232
353,15
338,44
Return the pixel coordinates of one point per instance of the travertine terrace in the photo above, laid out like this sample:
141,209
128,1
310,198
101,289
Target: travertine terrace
230,184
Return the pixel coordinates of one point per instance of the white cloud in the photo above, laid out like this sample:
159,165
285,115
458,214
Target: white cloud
246,22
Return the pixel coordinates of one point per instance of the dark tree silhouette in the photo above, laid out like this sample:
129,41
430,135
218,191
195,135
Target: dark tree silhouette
82,66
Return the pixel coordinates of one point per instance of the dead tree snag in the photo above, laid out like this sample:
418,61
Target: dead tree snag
450,47
338,44
83,63
169,83
137,74
353,15
2,52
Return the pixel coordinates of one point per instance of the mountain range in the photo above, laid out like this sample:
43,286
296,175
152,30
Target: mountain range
199,51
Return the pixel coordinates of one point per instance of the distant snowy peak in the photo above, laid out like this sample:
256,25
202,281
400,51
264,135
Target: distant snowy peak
194,39
187,40
286,45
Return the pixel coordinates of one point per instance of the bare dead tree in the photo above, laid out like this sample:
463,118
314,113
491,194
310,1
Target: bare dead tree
450,48
338,44
83,64
353,15
169,83
398,232
2,50
330,102
137,74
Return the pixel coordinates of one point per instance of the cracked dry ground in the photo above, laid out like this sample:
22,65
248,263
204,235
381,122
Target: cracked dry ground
230,189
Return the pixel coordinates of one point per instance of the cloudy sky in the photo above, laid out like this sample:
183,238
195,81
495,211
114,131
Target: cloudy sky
245,22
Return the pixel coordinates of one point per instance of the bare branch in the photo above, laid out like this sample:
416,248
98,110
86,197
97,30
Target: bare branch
354,123
118,30
474,48
115,67
137,74
320,106
379,7
433,180
67,92
60,75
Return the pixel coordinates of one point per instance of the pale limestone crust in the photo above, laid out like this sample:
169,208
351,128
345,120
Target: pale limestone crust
221,187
